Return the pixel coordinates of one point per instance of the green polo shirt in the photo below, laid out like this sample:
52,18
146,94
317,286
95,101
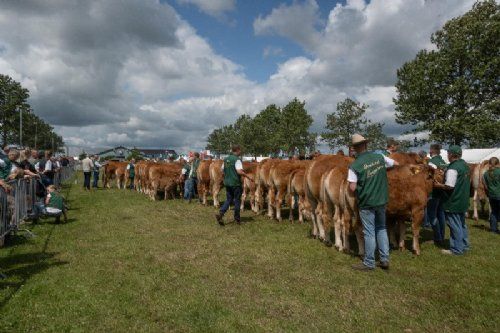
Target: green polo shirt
231,177
438,161
131,171
492,182
457,200
372,186
5,171
56,201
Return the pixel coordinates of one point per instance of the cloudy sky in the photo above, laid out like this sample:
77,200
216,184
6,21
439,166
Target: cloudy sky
152,73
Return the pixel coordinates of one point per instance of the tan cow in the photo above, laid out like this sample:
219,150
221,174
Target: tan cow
478,191
203,175
279,179
407,158
110,168
164,177
312,185
216,179
296,188
249,187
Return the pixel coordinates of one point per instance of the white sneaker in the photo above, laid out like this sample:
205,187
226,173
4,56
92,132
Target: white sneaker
448,252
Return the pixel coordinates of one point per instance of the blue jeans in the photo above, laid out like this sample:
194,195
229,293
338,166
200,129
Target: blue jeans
495,214
86,180
233,195
190,188
374,230
459,235
96,178
435,215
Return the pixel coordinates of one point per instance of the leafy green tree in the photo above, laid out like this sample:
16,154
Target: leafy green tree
349,118
267,130
294,127
453,91
134,154
374,132
13,97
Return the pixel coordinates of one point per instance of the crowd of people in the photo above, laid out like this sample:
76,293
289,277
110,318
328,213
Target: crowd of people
40,167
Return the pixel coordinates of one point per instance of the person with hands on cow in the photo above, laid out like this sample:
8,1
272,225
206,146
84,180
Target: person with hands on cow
131,173
435,211
392,147
456,190
367,177
232,169
191,185
491,180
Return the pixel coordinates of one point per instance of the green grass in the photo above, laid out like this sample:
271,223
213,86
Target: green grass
124,263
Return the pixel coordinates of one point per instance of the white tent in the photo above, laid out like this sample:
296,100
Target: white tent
475,155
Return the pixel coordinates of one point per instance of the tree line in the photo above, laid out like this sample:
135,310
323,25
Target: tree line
451,92
36,133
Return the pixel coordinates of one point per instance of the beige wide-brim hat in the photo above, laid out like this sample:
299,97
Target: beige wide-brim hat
357,139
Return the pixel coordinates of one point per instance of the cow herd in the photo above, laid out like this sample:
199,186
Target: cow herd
316,190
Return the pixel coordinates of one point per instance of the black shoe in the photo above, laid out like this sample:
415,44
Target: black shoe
362,268
238,222
384,265
218,217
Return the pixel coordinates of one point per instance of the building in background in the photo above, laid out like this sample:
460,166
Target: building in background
121,153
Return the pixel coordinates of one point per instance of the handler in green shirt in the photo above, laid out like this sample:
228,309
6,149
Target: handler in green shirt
367,177
131,173
232,169
491,180
456,200
435,211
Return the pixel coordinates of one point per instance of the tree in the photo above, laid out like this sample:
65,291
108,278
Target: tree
220,140
267,130
341,125
453,91
374,133
13,97
293,132
134,154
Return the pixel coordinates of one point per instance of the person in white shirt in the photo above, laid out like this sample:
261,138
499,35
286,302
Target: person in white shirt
87,166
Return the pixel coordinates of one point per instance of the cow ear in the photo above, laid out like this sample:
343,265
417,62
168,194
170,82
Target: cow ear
414,169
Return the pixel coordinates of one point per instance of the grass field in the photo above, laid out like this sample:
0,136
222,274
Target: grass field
124,263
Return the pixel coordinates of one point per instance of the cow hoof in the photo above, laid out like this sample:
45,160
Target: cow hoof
402,249
328,243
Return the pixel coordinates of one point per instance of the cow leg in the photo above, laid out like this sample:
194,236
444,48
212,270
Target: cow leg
402,235
359,237
391,228
252,200
417,219
301,210
270,202
215,194
319,221
291,203
279,201
474,203
243,198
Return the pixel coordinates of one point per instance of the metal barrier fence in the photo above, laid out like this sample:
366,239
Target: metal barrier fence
19,203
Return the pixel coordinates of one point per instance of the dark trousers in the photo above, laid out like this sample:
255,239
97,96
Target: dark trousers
233,195
86,180
96,179
131,182
495,214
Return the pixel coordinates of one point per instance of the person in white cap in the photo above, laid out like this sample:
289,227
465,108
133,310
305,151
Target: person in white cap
367,177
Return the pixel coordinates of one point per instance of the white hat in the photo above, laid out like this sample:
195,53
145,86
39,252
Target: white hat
357,139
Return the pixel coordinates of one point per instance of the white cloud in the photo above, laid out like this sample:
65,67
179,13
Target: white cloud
212,7
134,73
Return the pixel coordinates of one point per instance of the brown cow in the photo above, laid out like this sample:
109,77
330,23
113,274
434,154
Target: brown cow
203,175
312,185
249,187
110,168
296,188
216,179
407,158
409,205
263,183
279,179
477,187
163,177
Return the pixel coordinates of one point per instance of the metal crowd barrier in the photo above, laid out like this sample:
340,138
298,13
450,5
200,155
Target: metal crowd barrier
17,205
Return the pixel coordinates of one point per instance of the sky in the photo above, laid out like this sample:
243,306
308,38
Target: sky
164,74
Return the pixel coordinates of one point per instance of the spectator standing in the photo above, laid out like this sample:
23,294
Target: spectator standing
392,147
96,170
25,164
367,177
48,169
184,174
491,180
33,158
192,182
232,169
456,200
131,173
87,166
435,211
